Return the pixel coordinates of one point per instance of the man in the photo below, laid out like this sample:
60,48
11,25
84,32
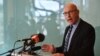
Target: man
81,39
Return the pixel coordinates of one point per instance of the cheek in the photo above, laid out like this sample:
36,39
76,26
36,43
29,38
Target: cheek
73,17
65,17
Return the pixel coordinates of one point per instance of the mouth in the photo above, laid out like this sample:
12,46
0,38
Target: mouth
69,19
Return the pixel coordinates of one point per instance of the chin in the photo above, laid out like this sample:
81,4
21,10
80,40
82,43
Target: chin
71,23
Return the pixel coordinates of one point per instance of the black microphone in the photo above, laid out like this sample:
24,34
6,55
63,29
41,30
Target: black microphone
26,39
41,37
35,38
32,49
35,48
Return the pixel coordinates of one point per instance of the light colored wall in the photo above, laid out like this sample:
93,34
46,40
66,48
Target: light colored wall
16,26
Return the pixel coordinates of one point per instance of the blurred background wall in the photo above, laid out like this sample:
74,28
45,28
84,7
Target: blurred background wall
20,19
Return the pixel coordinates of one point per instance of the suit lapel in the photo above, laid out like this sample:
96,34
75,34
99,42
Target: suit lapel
66,30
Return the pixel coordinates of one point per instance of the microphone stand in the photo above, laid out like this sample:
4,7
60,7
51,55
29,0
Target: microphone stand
10,51
30,51
33,48
31,44
24,47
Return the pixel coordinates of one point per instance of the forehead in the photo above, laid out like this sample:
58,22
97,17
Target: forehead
69,7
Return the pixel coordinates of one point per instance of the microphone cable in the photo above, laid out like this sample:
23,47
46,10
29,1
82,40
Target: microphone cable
14,46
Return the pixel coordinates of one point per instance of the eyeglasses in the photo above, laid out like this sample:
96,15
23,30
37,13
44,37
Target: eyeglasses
65,13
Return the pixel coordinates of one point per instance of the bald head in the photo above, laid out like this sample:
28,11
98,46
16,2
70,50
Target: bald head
70,6
71,13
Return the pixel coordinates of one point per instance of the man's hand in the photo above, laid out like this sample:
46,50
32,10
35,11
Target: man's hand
48,48
58,54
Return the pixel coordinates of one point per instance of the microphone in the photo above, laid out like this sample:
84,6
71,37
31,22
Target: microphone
35,38
38,37
25,39
32,49
35,48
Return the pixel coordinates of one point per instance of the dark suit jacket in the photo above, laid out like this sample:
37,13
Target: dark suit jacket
82,43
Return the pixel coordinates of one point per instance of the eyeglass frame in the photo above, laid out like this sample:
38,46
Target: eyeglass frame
65,13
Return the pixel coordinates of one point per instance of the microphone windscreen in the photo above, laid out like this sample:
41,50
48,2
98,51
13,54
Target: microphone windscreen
41,37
